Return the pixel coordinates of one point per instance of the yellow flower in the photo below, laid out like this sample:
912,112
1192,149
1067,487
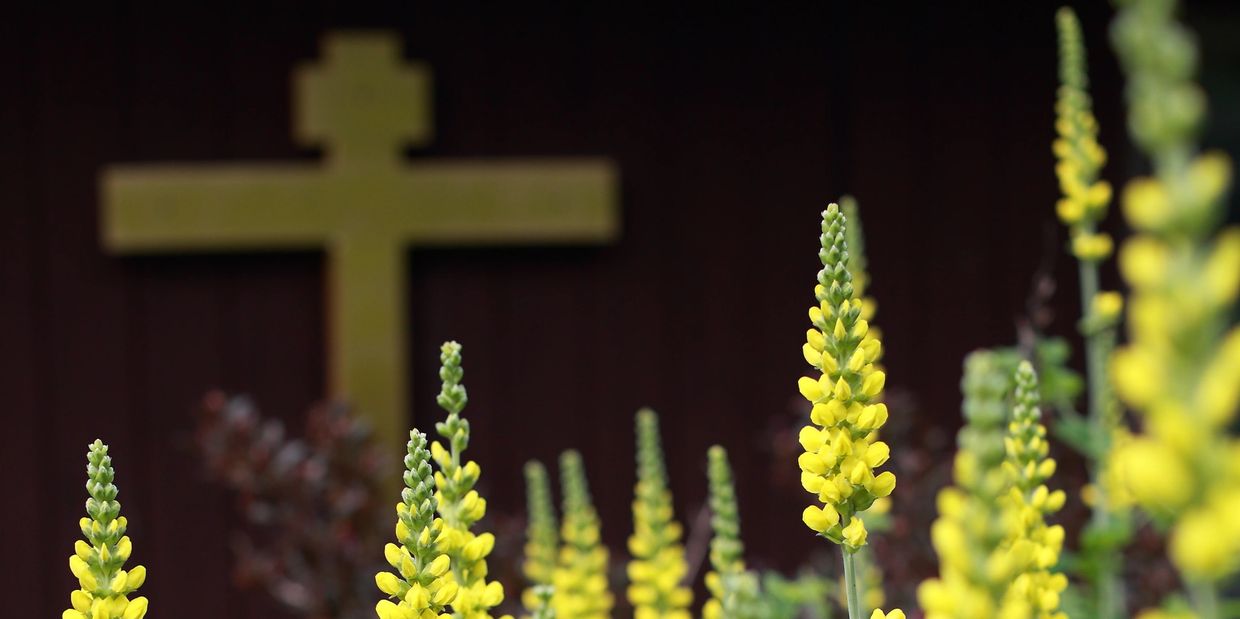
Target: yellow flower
895,614
841,447
855,533
98,561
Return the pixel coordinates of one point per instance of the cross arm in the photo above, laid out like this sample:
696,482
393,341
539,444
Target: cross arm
478,202
152,208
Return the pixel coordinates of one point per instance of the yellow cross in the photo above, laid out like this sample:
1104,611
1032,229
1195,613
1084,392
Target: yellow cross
363,205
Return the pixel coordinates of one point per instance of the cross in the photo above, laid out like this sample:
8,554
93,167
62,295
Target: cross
363,205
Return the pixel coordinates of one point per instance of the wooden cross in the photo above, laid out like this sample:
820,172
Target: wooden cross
363,205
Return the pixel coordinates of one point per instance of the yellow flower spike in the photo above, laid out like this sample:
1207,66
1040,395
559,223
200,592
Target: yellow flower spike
542,540
98,561
1033,546
438,557
580,578
840,450
658,565
978,535
1082,208
734,590
1182,307
421,568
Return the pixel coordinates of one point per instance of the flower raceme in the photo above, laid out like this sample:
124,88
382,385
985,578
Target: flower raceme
98,561
580,577
1077,152
658,568
541,544
734,591
869,575
1034,544
974,521
421,585
1180,371
441,564
841,452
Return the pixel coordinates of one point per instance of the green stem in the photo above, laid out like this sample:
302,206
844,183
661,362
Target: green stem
1108,588
850,586
1205,599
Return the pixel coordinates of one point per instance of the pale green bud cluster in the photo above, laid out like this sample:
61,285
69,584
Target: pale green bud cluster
98,562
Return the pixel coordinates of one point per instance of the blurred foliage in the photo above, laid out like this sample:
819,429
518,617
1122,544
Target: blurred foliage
311,522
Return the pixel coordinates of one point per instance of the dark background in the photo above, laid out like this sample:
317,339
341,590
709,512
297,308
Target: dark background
732,129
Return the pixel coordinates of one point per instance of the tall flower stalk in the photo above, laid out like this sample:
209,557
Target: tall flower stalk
1180,371
1033,543
98,561
869,574
421,584
658,567
440,563
580,580
733,590
1083,206
973,524
541,537
841,451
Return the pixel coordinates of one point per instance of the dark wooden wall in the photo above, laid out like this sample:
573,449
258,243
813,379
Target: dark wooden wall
732,129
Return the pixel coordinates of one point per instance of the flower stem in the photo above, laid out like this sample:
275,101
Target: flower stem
1205,599
1107,587
850,586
